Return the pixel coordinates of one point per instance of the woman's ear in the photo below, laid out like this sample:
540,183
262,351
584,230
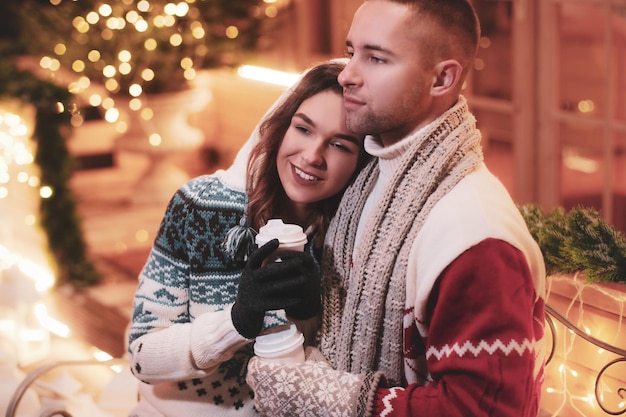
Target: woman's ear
448,75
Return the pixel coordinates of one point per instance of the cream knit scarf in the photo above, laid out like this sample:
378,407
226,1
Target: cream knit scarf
364,292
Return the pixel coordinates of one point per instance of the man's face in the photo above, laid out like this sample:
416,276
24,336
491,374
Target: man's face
386,88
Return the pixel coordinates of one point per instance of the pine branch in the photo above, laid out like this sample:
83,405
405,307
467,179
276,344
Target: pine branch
578,241
596,246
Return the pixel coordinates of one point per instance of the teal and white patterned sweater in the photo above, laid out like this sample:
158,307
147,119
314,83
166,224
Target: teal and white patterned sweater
182,343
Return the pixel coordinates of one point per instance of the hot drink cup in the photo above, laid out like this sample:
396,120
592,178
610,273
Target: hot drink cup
285,346
290,237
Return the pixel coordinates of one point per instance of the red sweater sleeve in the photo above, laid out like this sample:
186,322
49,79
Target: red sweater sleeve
484,318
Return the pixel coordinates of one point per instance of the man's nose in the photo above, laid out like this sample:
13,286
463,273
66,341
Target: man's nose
347,76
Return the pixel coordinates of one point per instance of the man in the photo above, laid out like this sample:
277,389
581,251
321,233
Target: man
433,288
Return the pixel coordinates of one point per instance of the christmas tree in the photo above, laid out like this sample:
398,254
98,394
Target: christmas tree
132,46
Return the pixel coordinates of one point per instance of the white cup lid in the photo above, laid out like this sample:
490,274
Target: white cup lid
279,343
287,234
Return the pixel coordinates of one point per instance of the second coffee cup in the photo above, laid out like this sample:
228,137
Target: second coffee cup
282,346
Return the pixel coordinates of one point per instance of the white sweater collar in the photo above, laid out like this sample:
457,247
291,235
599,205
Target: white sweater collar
389,156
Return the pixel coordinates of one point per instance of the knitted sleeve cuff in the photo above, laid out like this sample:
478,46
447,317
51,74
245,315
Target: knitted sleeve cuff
365,402
214,339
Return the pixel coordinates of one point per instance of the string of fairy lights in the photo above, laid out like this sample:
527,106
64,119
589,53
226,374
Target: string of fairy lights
25,271
131,48
584,379
123,67
20,189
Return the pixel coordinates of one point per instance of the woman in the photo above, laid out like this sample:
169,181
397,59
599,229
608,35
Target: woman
187,346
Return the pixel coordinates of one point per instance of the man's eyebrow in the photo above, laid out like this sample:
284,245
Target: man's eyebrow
370,47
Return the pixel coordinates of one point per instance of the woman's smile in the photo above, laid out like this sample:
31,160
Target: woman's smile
300,174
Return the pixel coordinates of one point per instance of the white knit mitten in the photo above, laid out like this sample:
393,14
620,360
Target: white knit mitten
310,389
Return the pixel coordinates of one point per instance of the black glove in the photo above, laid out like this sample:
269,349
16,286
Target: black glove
309,292
292,284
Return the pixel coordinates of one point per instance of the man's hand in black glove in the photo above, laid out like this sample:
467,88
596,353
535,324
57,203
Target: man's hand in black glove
292,284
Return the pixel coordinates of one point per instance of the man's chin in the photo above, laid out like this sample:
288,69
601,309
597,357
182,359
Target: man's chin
358,126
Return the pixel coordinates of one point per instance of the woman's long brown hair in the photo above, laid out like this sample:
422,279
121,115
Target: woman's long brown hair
266,195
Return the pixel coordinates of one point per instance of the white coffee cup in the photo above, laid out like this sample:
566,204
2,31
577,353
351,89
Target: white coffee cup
290,236
285,346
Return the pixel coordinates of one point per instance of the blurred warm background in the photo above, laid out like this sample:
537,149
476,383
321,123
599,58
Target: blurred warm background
108,106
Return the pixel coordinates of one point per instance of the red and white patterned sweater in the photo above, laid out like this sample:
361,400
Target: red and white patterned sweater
473,372
473,325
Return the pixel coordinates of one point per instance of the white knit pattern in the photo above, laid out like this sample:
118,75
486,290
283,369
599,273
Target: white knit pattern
483,346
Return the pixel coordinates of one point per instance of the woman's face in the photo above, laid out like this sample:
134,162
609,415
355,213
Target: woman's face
318,155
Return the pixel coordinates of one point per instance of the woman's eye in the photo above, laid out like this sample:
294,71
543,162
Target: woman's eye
340,146
302,129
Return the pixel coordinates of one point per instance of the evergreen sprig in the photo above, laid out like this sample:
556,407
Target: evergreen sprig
578,241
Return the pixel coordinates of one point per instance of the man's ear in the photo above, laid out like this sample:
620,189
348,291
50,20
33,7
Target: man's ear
448,75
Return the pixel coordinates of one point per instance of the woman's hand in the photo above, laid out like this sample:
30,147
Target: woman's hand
292,284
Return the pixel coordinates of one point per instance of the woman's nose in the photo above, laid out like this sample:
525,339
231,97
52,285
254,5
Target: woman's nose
314,154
